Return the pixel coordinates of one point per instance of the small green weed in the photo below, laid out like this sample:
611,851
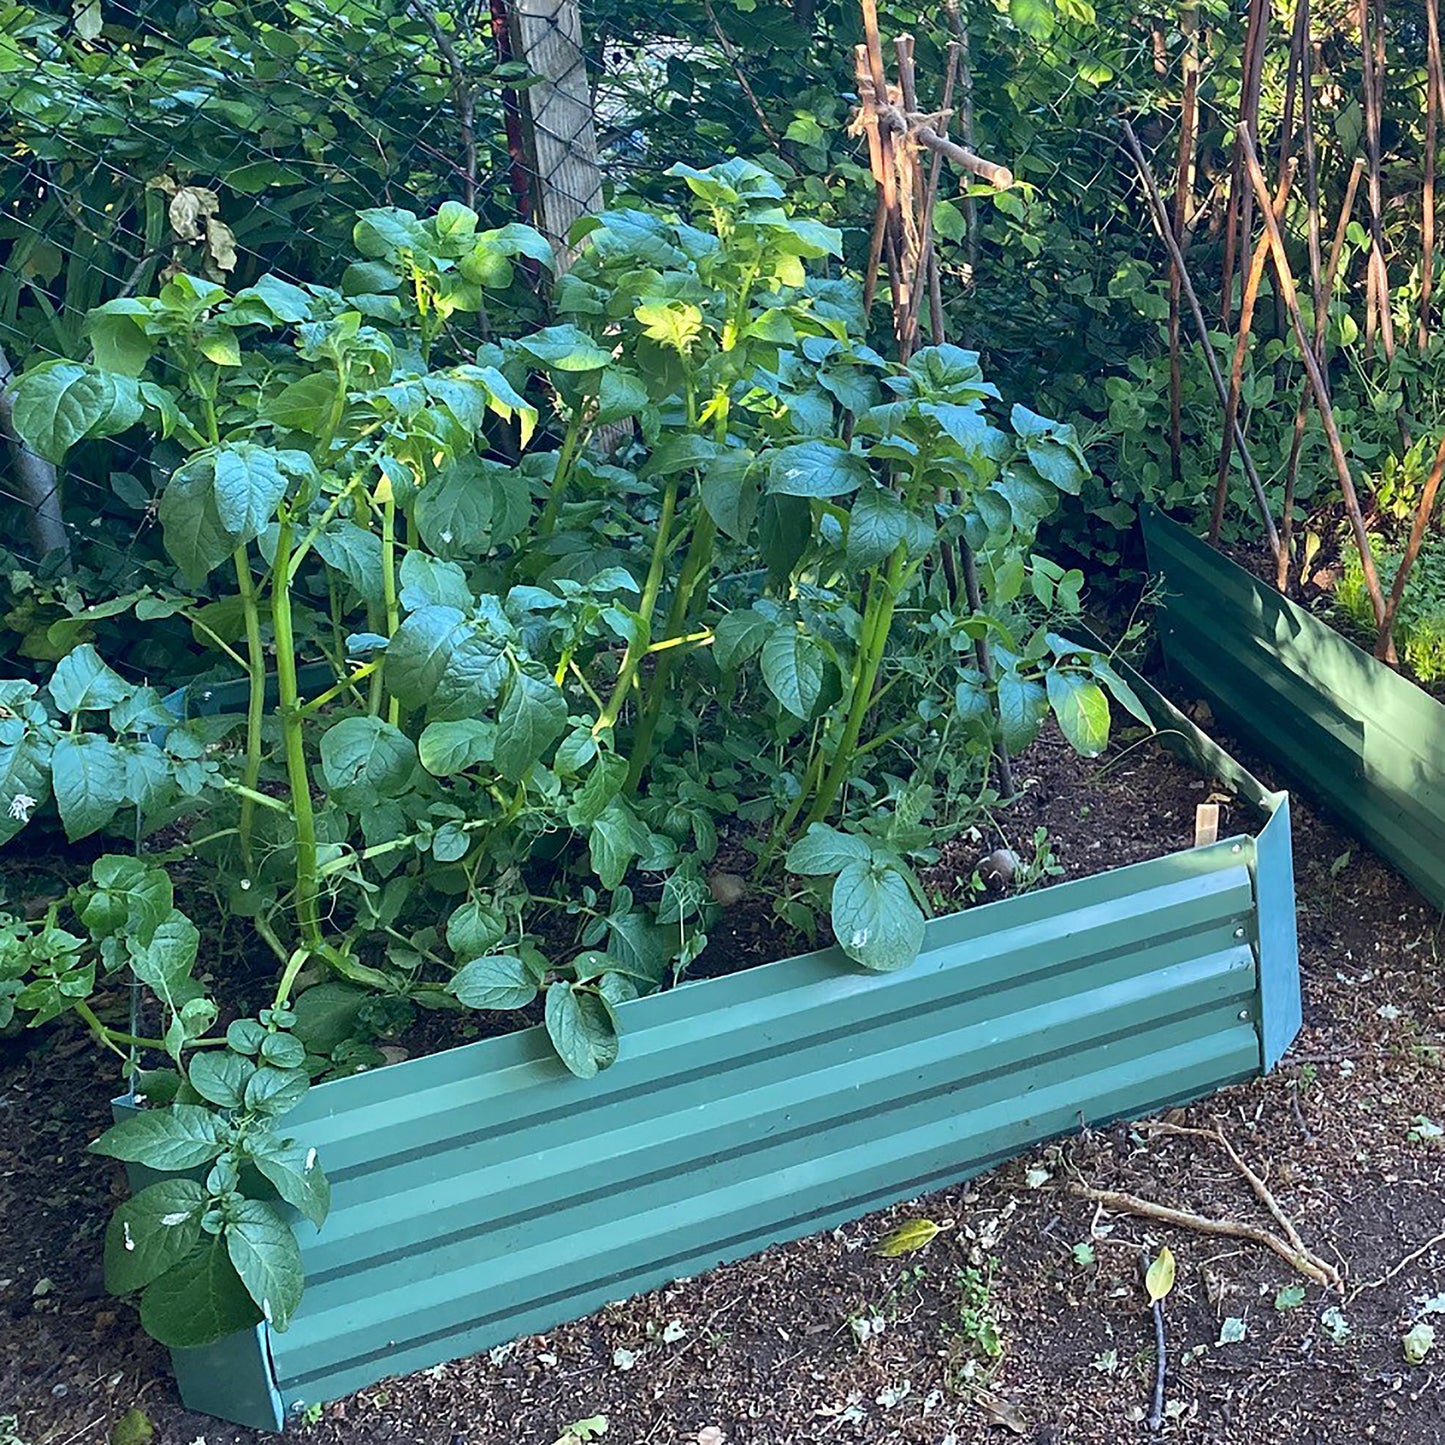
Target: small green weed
1420,623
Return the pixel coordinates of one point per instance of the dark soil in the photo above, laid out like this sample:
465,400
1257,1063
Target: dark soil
823,1340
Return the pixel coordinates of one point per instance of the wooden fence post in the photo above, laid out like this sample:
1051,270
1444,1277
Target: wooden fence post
547,38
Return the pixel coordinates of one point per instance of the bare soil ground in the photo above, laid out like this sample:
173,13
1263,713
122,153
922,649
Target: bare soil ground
824,1340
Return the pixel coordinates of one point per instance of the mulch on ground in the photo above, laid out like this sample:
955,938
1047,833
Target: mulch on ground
824,1340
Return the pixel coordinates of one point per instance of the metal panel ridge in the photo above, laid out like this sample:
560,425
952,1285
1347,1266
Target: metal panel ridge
1367,742
486,1192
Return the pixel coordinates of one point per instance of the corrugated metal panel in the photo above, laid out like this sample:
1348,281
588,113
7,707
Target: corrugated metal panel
484,1193
1366,742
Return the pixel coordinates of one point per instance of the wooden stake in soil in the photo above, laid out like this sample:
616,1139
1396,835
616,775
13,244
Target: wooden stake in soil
1183,191
1435,95
1285,279
1385,643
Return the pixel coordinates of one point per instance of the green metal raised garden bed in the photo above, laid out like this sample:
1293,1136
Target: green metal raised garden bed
484,1193
1368,743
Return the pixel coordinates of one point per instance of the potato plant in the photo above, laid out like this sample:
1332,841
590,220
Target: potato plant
522,628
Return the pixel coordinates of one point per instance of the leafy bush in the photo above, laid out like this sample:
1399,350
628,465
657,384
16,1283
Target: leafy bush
501,695
1420,622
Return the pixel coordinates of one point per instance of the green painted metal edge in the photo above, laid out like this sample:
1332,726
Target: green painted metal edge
483,1193
1364,741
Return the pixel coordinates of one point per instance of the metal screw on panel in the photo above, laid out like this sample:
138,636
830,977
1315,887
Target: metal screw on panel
1239,933
1244,1014
1235,848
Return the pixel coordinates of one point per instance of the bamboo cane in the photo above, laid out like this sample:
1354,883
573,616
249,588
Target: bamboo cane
1285,279
1161,224
1250,296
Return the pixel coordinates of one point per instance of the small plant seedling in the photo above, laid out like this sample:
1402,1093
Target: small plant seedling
1291,1297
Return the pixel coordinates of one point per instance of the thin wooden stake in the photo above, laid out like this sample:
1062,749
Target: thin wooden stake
1327,291
1183,190
1285,280
1385,644
1435,93
1250,296
1161,225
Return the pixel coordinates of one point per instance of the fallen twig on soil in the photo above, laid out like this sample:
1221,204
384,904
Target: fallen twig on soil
1306,1262
1404,1264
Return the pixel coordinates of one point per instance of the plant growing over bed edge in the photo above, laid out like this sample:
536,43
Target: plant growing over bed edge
528,652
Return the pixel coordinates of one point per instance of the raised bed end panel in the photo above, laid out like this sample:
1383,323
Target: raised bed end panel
1366,742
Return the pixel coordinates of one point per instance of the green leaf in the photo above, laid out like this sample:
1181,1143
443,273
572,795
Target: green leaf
447,748
82,682
739,635
474,929
128,896
220,1076
617,837
59,403
1022,706
876,919
533,715
185,1136
164,962
265,1255
151,1233
280,300
823,850
878,524
454,510
581,1030
430,582
1082,709
199,1301
304,405
326,1014
676,325
191,525
274,1092
729,490
792,663
498,981
88,774
250,482
420,651
356,554
564,348
121,346
815,469
367,755
294,1172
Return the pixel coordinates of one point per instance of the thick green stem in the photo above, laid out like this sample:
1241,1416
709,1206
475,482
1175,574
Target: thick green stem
294,743
388,584
637,649
256,695
566,457
695,565
871,646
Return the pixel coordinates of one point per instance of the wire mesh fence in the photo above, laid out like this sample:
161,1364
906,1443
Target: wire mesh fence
144,138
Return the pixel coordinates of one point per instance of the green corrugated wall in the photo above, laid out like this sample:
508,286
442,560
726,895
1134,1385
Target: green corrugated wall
1361,739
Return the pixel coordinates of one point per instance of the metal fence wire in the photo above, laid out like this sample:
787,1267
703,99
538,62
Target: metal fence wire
142,138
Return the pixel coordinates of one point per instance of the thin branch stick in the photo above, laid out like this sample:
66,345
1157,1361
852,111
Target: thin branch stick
1385,643
1183,190
1239,217
1285,279
959,30
1166,234
730,54
463,101
894,118
1257,1185
1322,316
1372,81
1241,349
1404,1264
1435,93
1121,1203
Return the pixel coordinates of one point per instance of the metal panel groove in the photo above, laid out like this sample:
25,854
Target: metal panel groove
1363,740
